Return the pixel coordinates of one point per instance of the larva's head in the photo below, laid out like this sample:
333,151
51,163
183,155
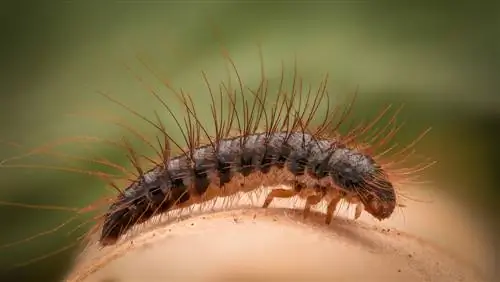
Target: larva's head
360,174
379,198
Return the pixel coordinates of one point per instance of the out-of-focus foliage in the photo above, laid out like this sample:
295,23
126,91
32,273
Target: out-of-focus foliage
440,59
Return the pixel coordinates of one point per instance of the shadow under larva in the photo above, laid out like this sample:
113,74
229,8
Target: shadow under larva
284,134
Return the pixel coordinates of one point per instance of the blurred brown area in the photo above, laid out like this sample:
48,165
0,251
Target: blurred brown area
440,59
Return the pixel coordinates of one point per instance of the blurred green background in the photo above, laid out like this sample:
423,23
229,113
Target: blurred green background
440,59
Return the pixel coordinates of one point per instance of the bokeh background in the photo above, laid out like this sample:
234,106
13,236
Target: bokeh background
440,59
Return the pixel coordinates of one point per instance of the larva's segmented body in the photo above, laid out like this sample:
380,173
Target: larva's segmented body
314,161
326,167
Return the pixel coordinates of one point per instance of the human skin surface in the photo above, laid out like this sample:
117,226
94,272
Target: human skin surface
429,239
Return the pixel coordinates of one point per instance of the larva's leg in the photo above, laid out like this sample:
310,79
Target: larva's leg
353,199
311,201
359,209
359,206
331,209
278,193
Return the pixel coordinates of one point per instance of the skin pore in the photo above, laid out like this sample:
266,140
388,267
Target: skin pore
236,240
